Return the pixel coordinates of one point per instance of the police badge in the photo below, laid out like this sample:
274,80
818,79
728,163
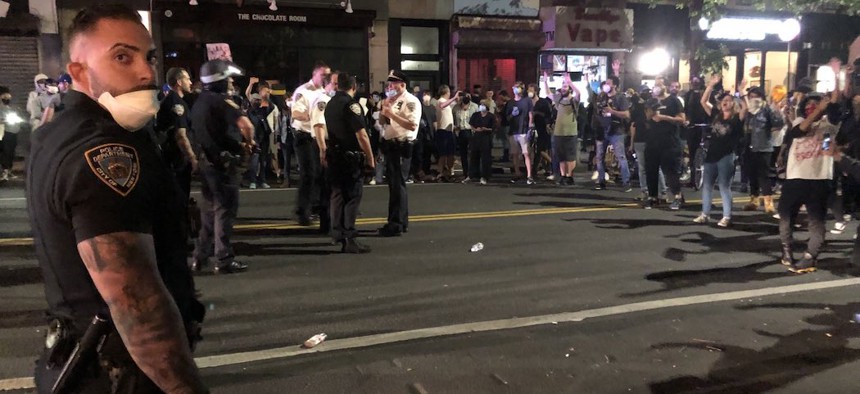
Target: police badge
116,165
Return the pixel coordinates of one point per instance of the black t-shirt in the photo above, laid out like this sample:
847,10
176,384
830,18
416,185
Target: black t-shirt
214,118
665,134
173,114
478,120
542,114
517,113
343,118
726,134
637,117
693,108
90,177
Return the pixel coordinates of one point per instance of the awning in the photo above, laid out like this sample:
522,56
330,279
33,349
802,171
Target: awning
496,39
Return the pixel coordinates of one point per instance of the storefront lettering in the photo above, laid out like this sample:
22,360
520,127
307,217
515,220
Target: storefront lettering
597,36
604,15
583,27
273,18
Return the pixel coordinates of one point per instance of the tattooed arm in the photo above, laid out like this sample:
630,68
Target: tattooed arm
123,268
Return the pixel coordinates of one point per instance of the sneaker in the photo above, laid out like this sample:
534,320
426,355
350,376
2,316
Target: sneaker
702,219
724,222
387,231
550,178
776,216
530,181
410,181
649,203
805,265
846,218
676,204
353,246
570,181
483,181
627,188
838,228
467,180
265,185
231,267
600,186
372,182
787,258
252,186
5,176
643,195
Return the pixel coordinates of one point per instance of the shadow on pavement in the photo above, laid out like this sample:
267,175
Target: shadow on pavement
22,319
248,249
793,357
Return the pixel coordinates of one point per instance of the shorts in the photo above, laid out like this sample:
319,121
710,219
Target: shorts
520,144
446,143
565,147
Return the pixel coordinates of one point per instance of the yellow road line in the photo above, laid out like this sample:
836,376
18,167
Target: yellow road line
291,225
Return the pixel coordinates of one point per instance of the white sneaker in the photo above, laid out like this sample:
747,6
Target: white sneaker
5,176
724,222
776,216
847,218
551,177
252,186
702,219
467,180
373,181
483,181
838,228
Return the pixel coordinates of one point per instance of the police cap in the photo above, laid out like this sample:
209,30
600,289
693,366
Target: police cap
219,70
397,76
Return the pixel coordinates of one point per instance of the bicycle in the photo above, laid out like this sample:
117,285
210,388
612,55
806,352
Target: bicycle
699,159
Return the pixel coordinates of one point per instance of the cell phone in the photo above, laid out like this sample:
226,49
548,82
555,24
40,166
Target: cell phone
825,144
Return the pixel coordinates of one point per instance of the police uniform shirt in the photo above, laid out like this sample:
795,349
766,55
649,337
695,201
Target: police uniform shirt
303,100
318,113
214,117
344,117
92,178
407,106
173,114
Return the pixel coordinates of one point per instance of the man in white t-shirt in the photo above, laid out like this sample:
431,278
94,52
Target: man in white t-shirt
400,117
306,149
808,181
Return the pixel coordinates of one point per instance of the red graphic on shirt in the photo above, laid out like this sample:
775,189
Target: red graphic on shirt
807,148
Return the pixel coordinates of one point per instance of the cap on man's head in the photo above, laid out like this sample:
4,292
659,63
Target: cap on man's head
756,90
397,76
64,77
40,77
219,70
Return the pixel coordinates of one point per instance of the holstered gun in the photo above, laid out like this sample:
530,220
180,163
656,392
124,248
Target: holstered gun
83,355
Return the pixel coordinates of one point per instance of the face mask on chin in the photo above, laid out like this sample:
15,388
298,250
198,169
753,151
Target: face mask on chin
390,93
131,110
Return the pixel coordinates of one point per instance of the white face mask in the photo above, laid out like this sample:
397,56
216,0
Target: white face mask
516,91
426,100
390,93
330,93
607,89
531,94
131,110
755,105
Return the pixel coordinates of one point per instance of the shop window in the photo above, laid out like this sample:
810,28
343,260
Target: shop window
416,65
419,40
492,74
777,71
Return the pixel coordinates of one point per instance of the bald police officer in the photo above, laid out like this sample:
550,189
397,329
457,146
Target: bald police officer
219,129
346,156
401,114
106,220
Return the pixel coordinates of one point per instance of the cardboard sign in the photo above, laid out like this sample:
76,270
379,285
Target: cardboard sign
218,51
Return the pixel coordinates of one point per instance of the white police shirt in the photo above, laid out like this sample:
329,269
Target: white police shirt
318,113
407,106
303,99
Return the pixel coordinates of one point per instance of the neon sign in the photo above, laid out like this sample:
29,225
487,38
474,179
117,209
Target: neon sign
753,29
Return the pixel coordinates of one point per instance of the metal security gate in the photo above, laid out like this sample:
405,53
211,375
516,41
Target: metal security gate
20,62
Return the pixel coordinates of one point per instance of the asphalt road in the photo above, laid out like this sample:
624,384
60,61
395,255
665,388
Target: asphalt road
575,291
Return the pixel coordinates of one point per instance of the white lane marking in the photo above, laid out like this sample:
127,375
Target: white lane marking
484,326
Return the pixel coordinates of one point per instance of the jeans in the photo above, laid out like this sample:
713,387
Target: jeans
669,161
397,169
617,143
813,194
480,160
639,148
759,173
722,173
220,192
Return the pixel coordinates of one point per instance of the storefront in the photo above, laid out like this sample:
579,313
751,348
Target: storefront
584,43
763,49
280,45
419,48
495,51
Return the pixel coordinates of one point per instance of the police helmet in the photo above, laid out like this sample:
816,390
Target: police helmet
218,70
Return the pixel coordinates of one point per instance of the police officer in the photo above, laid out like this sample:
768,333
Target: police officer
347,154
220,129
401,114
173,126
306,149
321,137
104,211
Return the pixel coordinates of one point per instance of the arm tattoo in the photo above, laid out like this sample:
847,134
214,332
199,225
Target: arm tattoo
123,268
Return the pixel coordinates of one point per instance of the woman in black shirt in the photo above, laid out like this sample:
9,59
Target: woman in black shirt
726,133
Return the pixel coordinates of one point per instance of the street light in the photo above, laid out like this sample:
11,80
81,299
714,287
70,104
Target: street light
654,62
789,31
704,23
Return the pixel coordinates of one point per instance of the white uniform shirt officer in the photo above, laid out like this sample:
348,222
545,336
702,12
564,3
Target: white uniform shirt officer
303,101
409,107
318,113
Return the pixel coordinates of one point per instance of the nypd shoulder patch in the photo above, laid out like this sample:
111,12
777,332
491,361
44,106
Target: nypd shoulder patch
321,105
117,165
178,109
410,106
355,108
